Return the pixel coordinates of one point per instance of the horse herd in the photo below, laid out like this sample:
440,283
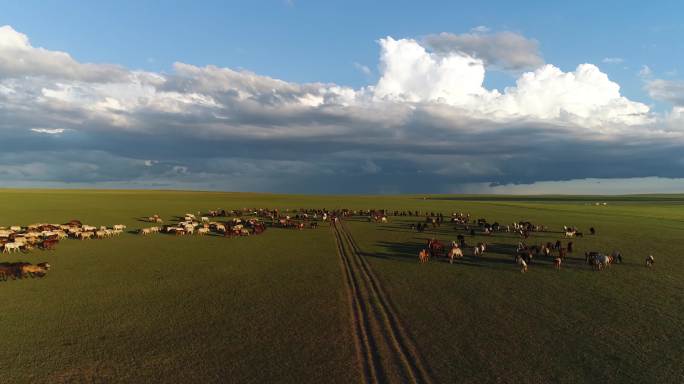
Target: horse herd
252,221
189,225
523,255
44,236
244,222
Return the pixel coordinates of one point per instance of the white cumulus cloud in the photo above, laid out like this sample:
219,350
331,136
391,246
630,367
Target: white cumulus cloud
411,73
19,58
585,96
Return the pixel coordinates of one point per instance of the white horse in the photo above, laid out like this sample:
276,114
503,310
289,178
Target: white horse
12,247
203,231
454,253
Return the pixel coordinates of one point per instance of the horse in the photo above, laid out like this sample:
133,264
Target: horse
617,256
597,260
454,253
479,249
8,270
49,244
436,248
423,256
561,253
525,255
39,270
650,260
523,265
603,261
12,247
461,241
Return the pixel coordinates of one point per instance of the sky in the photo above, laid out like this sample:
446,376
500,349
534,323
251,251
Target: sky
343,97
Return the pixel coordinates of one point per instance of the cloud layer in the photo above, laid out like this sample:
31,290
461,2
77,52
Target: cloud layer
666,90
503,50
428,124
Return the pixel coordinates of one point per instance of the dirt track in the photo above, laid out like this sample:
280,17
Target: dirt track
384,349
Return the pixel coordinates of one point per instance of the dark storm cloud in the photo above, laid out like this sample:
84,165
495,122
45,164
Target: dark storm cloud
408,164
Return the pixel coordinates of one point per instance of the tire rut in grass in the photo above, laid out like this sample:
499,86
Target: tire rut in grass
385,351
363,341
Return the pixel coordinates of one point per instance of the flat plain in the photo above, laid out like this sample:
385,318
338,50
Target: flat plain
279,307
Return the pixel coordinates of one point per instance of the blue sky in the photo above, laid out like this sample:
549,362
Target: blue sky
307,41
638,46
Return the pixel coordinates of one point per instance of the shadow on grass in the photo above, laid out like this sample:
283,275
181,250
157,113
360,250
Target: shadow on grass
408,252
497,255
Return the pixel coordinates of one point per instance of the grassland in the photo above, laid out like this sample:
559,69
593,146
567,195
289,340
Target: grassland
274,308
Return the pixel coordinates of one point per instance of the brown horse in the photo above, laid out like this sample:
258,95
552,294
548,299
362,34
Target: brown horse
436,248
49,244
423,256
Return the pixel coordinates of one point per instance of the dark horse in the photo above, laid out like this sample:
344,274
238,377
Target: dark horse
436,248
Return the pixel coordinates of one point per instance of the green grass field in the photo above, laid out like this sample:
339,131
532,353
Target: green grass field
275,307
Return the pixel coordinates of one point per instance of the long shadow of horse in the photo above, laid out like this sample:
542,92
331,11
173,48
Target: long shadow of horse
502,249
409,252
497,255
396,230
397,251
